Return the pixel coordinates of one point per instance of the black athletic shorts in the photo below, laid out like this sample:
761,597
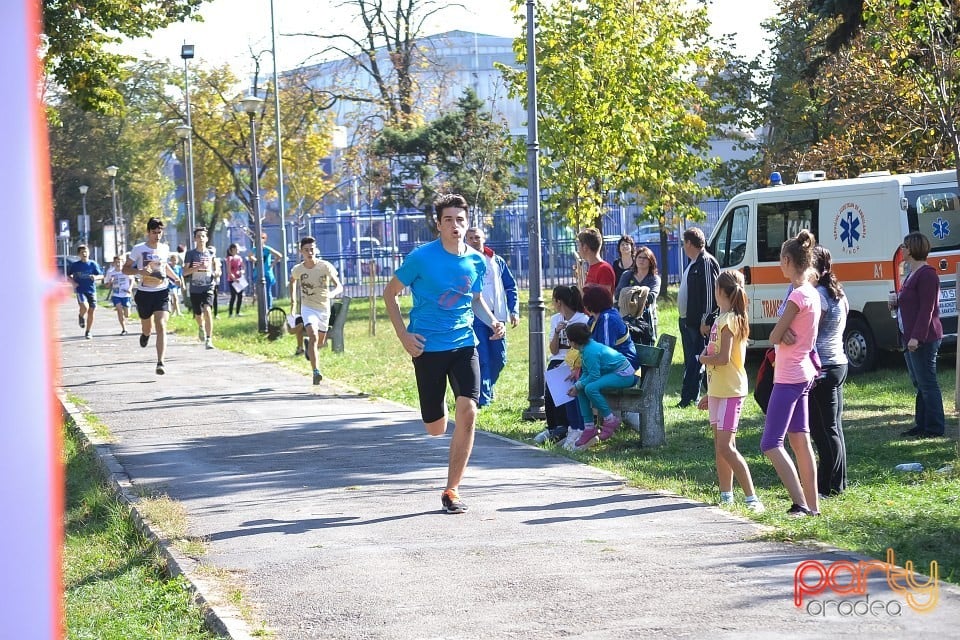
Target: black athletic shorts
434,368
200,300
149,302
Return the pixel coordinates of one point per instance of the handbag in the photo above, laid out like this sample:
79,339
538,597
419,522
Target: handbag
764,384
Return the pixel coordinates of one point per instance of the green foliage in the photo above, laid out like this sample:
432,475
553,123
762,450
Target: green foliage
77,34
620,104
463,151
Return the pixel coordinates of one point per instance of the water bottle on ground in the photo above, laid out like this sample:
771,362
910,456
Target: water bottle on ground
909,466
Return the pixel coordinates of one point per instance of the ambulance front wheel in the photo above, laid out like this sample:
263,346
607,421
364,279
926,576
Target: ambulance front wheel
860,346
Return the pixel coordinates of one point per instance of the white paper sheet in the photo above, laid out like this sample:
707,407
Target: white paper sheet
558,384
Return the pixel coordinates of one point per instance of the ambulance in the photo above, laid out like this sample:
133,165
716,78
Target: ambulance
862,221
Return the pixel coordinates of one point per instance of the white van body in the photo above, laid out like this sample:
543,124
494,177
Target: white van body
862,221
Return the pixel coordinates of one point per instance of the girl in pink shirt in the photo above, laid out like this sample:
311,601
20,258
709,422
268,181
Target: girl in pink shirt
795,337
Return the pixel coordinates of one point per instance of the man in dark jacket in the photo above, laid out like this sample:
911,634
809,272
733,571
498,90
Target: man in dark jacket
698,309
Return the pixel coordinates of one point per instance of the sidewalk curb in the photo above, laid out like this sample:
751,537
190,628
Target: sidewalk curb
219,617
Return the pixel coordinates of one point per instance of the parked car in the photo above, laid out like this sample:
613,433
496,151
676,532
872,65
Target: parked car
649,234
366,248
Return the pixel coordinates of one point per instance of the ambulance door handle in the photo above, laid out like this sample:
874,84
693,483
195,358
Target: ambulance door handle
746,275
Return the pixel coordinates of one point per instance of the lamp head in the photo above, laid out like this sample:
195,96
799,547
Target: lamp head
83,189
251,104
112,171
186,51
183,131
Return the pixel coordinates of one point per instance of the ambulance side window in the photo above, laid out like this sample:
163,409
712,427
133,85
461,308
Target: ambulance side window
730,241
777,221
936,214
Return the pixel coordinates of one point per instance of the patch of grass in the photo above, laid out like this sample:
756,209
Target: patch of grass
917,515
114,584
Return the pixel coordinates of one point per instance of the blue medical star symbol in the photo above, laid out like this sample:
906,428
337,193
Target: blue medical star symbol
850,232
941,228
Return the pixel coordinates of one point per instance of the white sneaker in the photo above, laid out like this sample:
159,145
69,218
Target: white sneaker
570,442
541,437
756,506
208,343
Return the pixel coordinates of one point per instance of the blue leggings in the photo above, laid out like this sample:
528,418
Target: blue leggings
591,396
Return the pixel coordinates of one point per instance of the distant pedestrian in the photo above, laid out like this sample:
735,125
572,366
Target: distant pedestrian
149,261
313,283
85,274
921,332
624,260
201,266
269,257
176,263
698,309
500,294
120,286
235,279
446,278
589,243
825,401
218,273
602,368
723,358
795,337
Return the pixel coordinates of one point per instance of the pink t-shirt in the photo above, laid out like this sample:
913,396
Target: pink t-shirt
793,360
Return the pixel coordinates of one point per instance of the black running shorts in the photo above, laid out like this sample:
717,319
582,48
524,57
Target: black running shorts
149,302
434,368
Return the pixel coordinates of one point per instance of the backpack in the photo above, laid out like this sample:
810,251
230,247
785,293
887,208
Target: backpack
764,385
633,309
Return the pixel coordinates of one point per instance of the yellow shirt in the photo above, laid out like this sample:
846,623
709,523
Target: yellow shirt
728,380
314,284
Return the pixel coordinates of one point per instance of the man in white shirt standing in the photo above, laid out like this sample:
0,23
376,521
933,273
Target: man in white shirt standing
500,294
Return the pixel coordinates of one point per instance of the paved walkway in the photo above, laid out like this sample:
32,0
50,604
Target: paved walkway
323,506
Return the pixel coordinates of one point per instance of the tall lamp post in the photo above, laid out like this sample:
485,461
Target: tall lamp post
536,409
276,122
112,172
83,225
183,132
186,52
252,104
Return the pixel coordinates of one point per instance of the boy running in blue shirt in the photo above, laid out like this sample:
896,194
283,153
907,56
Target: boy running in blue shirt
85,274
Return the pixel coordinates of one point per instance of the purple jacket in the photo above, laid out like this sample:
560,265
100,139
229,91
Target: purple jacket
919,306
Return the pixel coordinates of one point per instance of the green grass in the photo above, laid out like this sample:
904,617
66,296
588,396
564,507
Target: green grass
114,583
917,515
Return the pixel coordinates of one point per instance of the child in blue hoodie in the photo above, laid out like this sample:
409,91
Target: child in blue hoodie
602,368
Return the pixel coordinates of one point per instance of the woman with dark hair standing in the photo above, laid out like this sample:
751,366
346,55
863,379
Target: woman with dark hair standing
234,273
825,402
918,317
644,274
624,260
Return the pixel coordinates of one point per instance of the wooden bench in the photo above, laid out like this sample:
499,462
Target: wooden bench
646,397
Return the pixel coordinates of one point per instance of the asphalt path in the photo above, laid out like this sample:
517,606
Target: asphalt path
323,507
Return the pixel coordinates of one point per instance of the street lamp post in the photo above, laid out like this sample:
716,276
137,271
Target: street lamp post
112,172
83,225
183,132
252,104
536,409
279,143
186,52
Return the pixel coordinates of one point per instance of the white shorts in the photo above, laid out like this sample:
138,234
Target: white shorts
319,319
292,320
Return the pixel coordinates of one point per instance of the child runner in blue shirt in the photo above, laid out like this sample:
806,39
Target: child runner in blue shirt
85,273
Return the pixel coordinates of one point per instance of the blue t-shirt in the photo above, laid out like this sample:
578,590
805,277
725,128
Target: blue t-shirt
82,274
443,285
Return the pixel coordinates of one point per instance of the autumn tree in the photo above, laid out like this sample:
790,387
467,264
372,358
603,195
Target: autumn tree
464,151
77,36
620,105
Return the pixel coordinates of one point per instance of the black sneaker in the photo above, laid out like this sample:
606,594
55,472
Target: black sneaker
797,511
452,503
144,340
911,433
82,322
88,336
317,376
124,332
160,370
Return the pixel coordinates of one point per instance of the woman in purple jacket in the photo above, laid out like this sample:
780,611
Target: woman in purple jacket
918,318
